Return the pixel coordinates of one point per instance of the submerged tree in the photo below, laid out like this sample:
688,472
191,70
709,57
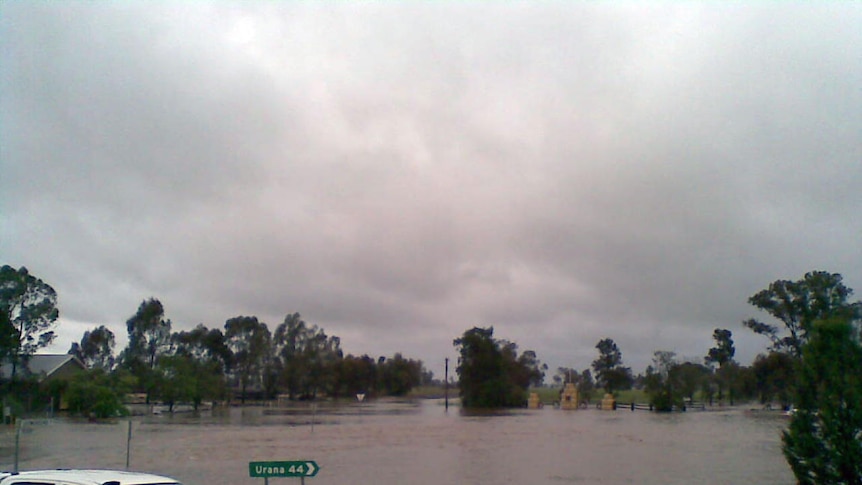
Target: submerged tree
662,381
250,343
490,372
306,355
824,441
149,339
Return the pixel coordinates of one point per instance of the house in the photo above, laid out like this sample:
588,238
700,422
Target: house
45,367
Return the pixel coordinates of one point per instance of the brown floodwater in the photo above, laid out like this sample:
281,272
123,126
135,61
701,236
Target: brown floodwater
418,442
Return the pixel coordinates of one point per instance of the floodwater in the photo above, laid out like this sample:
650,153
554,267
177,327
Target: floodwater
419,442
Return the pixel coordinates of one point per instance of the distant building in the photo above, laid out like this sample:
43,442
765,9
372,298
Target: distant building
45,367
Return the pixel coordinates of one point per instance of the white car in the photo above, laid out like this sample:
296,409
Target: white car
84,477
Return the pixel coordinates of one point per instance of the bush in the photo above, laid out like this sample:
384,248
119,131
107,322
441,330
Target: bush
93,395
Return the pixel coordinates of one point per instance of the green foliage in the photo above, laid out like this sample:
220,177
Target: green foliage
798,304
96,394
96,348
610,373
824,441
306,353
399,375
775,374
30,308
149,338
250,343
662,382
354,375
724,350
691,378
490,372
722,354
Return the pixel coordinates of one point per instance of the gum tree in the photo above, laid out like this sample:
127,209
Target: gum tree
798,304
30,312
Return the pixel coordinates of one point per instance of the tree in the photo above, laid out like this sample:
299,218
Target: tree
96,349
149,334
97,394
691,378
798,304
823,443
610,372
9,338
354,375
197,369
722,354
30,307
249,341
149,338
398,375
306,354
774,376
490,372
586,386
662,381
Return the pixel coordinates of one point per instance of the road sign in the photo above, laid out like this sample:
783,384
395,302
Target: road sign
268,469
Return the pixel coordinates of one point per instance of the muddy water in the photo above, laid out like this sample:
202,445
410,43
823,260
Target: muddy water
419,443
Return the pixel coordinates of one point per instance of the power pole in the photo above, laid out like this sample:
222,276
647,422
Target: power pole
446,384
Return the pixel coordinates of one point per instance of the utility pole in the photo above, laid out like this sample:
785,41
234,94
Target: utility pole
446,384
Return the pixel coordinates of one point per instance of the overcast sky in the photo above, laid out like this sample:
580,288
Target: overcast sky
399,174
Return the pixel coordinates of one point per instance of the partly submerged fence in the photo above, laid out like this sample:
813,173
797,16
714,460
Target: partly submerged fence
635,406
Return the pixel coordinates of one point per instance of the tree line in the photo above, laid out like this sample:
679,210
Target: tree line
813,362
244,358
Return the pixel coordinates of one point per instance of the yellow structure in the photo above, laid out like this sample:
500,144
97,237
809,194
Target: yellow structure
569,399
534,402
609,403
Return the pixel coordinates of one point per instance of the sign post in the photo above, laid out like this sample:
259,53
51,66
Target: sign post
282,469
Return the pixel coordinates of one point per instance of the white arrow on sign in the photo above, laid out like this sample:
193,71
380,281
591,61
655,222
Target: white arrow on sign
311,468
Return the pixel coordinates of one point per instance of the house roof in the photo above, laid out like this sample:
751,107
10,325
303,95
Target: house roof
41,364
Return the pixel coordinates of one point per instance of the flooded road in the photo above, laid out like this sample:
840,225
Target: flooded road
420,443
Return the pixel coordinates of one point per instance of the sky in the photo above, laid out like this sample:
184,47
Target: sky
399,173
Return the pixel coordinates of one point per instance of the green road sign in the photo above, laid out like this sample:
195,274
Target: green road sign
268,469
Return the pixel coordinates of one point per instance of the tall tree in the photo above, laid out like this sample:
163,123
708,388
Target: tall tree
250,343
823,443
149,338
96,349
30,306
722,355
197,369
306,354
610,372
149,334
203,344
798,304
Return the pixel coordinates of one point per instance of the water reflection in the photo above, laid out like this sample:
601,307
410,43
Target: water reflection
418,442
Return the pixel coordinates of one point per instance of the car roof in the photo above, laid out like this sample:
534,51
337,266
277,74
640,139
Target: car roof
90,477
